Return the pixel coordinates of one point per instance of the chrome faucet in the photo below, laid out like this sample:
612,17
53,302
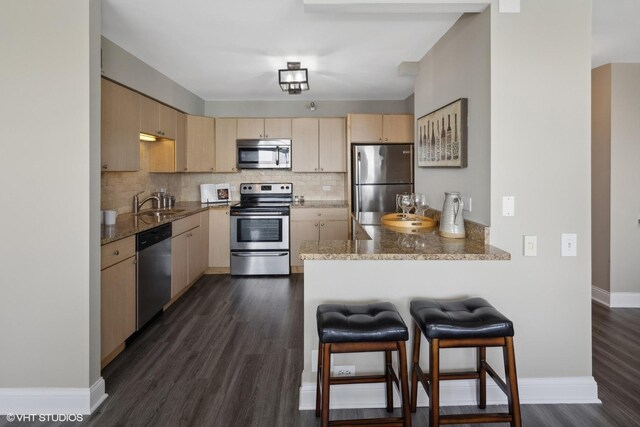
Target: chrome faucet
137,204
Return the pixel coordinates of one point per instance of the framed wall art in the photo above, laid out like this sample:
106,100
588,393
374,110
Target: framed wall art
442,137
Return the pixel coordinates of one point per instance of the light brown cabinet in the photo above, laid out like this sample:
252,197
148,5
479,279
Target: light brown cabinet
120,128
200,144
319,145
226,135
186,253
386,128
254,128
319,224
219,238
117,296
157,119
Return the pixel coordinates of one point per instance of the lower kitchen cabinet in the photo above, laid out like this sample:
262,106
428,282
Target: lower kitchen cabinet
318,224
219,238
117,296
186,253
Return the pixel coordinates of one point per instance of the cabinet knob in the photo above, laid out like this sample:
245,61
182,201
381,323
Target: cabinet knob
104,166
260,135
321,169
319,214
185,169
315,225
386,139
116,253
322,224
266,136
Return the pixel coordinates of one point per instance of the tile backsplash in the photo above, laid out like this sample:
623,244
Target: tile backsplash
118,188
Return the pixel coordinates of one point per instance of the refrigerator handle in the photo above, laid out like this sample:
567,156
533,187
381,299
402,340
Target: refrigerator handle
357,186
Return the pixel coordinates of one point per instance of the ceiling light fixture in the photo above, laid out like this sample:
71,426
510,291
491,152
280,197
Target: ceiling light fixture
293,79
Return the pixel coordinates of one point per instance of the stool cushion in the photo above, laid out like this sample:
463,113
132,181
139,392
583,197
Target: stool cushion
469,318
360,323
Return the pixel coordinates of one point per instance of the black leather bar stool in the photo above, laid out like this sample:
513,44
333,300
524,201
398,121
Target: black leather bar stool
466,323
362,328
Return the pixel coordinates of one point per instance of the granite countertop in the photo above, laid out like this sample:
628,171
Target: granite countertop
128,224
317,204
387,244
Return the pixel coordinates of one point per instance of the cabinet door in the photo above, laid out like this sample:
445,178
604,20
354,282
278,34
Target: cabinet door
304,148
365,127
194,243
334,230
226,145
117,305
179,263
168,121
333,145
397,128
250,128
181,143
277,128
150,116
219,238
162,155
203,252
120,130
200,144
300,231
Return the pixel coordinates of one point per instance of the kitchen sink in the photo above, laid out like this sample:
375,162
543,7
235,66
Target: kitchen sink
160,212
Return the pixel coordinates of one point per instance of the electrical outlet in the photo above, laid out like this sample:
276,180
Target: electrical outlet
344,371
326,188
508,206
467,204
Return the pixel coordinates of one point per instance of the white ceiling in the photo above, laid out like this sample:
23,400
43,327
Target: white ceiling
232,49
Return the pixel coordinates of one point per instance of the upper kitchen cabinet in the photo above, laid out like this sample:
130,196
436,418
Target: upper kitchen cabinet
226,135
264,128
157,119
120,130
200,146
168,155
319,145
387,128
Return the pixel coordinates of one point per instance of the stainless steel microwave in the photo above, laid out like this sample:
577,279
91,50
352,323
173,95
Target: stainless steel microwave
263,153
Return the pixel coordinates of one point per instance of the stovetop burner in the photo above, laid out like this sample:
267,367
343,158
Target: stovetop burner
264,198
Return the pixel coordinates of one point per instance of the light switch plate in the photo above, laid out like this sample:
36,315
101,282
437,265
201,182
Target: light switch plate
467,204
326,188
530,246
569,244
508,206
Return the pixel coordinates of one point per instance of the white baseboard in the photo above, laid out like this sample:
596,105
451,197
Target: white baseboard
600,296
460,393
625,300
52,400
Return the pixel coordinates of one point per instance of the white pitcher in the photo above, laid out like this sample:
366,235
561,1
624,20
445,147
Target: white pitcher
451,219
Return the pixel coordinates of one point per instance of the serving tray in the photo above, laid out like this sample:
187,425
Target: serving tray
408,221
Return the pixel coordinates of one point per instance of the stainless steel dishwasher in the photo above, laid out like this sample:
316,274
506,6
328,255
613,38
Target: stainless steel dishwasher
154,272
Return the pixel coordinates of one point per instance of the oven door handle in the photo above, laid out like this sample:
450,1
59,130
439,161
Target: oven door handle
256,215
252,254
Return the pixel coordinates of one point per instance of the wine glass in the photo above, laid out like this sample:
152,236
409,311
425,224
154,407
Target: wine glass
398,197
420,201
406,203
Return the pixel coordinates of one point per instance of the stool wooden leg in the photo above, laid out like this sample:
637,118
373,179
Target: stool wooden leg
434,383
417,336
404,384
326,372
482,380
319,379
388,380
512,382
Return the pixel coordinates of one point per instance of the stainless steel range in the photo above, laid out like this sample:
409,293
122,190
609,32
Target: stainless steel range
260,230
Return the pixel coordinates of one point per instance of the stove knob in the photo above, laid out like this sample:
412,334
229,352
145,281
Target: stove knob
282,187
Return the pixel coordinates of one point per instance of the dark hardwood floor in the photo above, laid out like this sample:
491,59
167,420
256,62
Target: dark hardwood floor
229,353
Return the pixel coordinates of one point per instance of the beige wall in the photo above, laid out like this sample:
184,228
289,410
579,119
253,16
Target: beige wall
625,177
458,66
49,245
539,154
124,68
601,175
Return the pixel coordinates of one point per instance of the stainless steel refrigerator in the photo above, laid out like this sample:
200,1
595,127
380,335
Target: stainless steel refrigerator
378,173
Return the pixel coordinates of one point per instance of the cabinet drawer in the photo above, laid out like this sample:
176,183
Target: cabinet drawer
310,214
114,252
185,224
